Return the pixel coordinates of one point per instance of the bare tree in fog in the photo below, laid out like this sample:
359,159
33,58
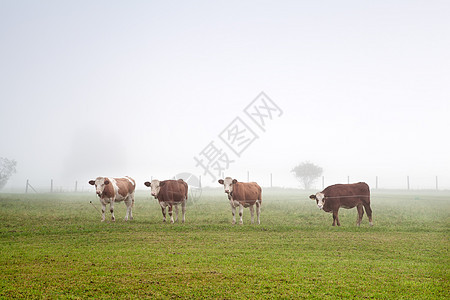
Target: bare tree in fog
7,168
307,173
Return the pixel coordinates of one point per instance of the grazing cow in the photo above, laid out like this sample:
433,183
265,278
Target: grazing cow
242,194
170,193
346,196
111,190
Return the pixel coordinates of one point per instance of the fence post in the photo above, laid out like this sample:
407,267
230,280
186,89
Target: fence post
29,185
348,179
248,176
76,186
407,181
271,180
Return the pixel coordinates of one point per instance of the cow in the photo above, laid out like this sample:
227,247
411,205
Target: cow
111,190
346,196
242,194
170,193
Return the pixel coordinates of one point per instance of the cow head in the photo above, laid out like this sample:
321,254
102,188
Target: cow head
228,184
320,199
155,186
99,184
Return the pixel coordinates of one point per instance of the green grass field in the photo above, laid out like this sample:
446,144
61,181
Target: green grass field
54,246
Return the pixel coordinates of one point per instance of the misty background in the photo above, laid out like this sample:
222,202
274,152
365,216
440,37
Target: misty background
139,88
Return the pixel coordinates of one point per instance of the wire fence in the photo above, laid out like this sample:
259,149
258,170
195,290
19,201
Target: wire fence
270,180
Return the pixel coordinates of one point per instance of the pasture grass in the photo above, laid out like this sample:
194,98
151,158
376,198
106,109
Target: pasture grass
54,246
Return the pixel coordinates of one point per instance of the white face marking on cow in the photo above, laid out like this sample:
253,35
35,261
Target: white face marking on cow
100,183
154,185
228,185
320,199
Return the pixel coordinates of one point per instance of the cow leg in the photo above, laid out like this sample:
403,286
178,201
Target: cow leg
103,211
183,209
163,210
170,213
131,212
335,217
233,212
130,207
369,213
360,209
252,212
241,213
258,211
111,209
176,213
126,201
128,214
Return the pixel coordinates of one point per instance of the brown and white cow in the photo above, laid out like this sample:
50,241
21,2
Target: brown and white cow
346,196
111,190
170,193
242,194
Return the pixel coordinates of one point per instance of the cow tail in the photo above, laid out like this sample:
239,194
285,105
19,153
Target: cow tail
260,195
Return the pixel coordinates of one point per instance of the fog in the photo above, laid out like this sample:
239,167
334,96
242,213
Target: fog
142,88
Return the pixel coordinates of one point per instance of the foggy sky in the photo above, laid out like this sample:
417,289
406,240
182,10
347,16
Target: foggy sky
140,88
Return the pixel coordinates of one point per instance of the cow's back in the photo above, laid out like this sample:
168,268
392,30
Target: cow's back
125,186
348,195
248,192
173,191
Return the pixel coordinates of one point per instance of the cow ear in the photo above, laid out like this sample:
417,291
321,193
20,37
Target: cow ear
162,183
147,183
220,181
92,182
106,181
313,197
234,181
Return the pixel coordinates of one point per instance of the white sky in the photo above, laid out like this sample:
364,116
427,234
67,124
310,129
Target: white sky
113,88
